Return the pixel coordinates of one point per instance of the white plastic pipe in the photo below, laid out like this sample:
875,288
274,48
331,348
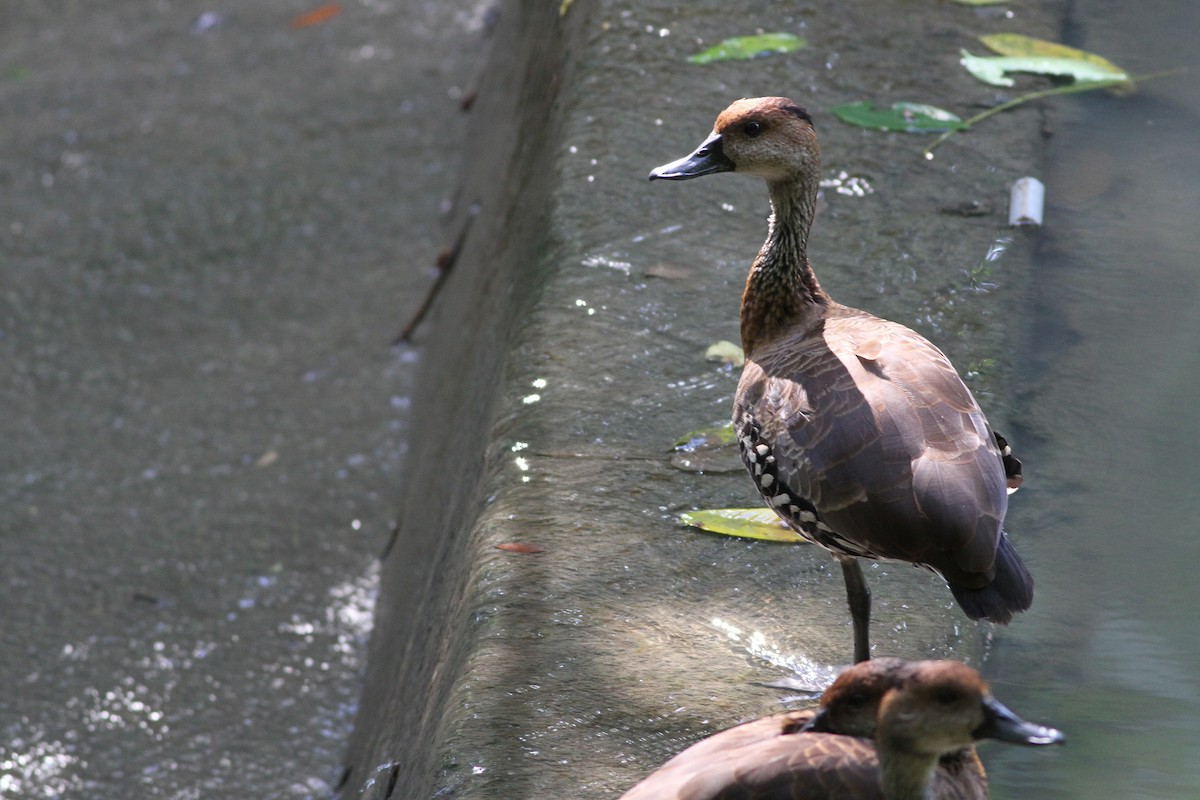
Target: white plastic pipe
1026,204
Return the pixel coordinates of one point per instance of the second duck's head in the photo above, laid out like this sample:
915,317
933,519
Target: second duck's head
936,706
770,137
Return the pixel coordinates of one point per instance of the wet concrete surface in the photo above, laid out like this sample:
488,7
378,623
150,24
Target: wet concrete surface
213,225
606,637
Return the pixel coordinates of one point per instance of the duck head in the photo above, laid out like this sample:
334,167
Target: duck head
926,700
946,705
770,137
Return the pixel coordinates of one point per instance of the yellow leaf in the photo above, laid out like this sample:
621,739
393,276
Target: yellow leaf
746,523
725,351
1017,45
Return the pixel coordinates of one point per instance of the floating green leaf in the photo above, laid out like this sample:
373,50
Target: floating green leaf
740,48
707,450
716,436
747,523
906,117
993,69
1117,85
1018,45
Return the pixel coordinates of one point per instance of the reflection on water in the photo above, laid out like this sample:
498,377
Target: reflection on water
1110,652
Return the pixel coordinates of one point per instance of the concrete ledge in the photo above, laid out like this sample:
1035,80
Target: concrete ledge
422,625
566,354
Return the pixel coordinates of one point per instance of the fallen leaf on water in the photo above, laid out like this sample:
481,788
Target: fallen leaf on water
741,48
725,352
1088,73
762,524
707,450
1018,45
994,69
316,16
904,116
520,547
715,436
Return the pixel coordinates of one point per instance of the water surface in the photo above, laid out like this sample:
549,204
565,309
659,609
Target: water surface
1108,419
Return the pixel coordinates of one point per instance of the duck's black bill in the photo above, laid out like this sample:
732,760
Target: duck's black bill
818,724
1005,726
708,158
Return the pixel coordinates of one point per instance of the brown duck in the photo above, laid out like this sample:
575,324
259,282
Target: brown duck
924,717
856,430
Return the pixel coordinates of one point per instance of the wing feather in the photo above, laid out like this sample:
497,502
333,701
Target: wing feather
870,423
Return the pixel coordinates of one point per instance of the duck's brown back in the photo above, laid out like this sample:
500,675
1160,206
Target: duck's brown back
797,766
863,436
724,747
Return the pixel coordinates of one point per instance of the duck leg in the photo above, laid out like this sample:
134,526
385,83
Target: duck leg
858,595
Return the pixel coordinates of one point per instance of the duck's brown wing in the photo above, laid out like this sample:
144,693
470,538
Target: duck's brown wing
802,766
880,447
699,757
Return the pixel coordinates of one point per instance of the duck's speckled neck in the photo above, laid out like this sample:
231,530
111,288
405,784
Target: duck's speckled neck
905,776
782,291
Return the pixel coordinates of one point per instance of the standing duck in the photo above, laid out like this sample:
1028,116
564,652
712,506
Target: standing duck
924,717
857,431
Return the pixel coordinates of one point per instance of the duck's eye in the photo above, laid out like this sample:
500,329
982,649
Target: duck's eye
855,700
752,128
947,697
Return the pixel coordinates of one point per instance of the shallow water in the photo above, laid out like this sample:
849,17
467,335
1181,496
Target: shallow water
1109,375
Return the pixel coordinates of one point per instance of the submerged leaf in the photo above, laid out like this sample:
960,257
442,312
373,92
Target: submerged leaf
716,436
992,69
747,523
906,117
1017,45
740,48
707,450
725,351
